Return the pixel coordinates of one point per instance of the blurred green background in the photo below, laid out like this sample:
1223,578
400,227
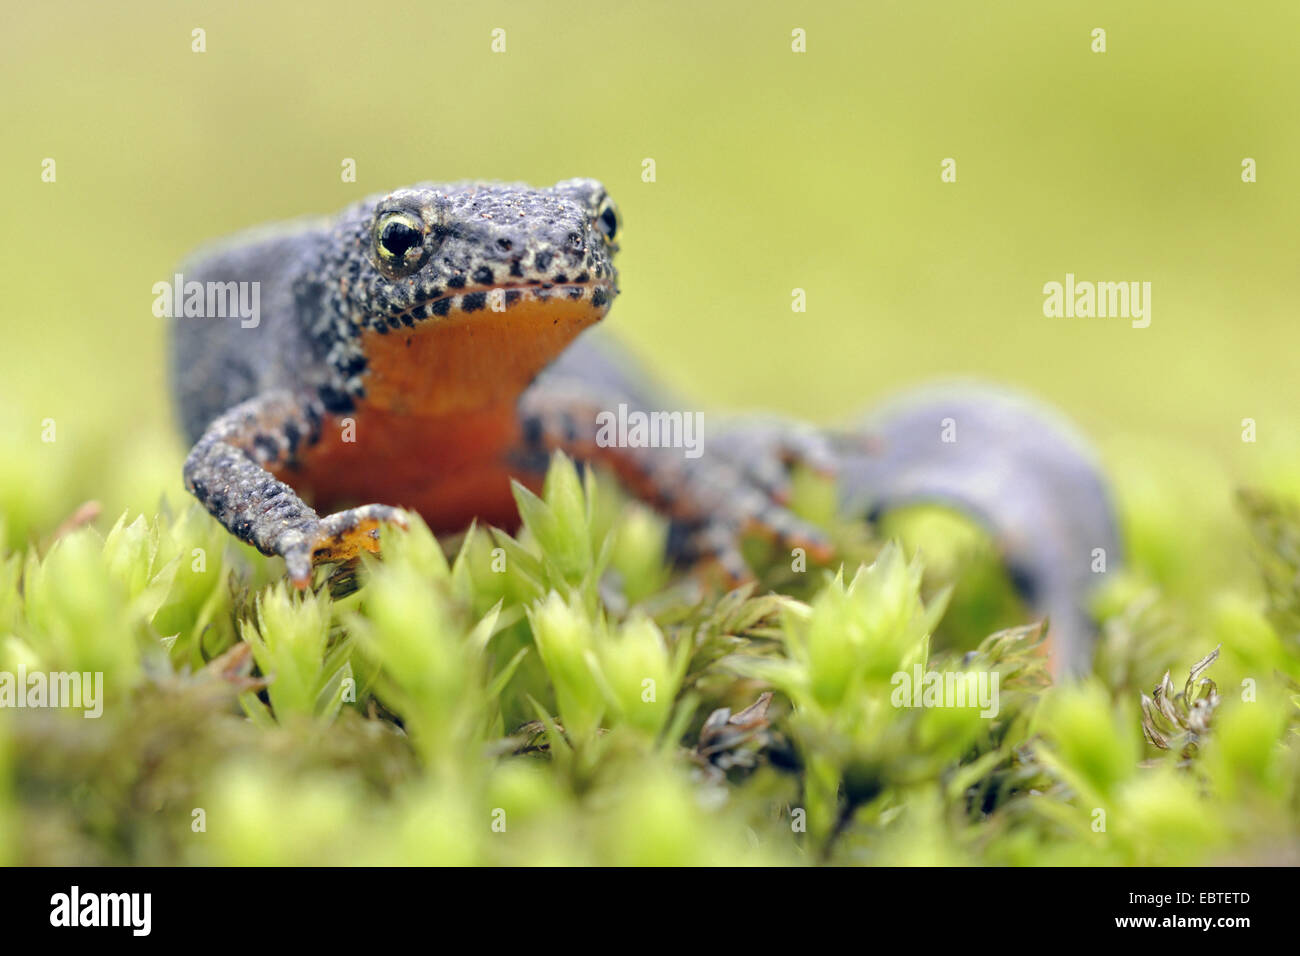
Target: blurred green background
775,170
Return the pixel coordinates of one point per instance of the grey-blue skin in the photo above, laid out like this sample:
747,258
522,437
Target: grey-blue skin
1013,465
1017,468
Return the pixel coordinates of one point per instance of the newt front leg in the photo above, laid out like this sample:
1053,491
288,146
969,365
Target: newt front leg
712,501
228,472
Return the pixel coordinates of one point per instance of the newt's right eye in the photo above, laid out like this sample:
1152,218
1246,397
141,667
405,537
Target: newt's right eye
399,241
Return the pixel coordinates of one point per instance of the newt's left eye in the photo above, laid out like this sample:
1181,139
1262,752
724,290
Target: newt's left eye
608,220
399,241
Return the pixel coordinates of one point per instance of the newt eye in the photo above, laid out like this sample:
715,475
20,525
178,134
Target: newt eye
399,241
607,219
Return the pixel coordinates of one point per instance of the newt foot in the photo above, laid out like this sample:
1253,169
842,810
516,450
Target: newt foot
341,536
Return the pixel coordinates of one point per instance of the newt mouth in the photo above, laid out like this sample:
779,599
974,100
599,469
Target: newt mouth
506,298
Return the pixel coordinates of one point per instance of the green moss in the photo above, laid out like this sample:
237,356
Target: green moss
560,696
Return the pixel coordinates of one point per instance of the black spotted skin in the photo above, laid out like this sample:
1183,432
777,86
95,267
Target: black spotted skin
323,285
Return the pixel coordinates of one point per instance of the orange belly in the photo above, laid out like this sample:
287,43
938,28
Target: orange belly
450,469
437,430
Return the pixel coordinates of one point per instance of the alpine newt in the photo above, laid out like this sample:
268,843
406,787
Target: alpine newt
422,348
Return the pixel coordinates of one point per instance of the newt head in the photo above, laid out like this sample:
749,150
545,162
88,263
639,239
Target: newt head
454,297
